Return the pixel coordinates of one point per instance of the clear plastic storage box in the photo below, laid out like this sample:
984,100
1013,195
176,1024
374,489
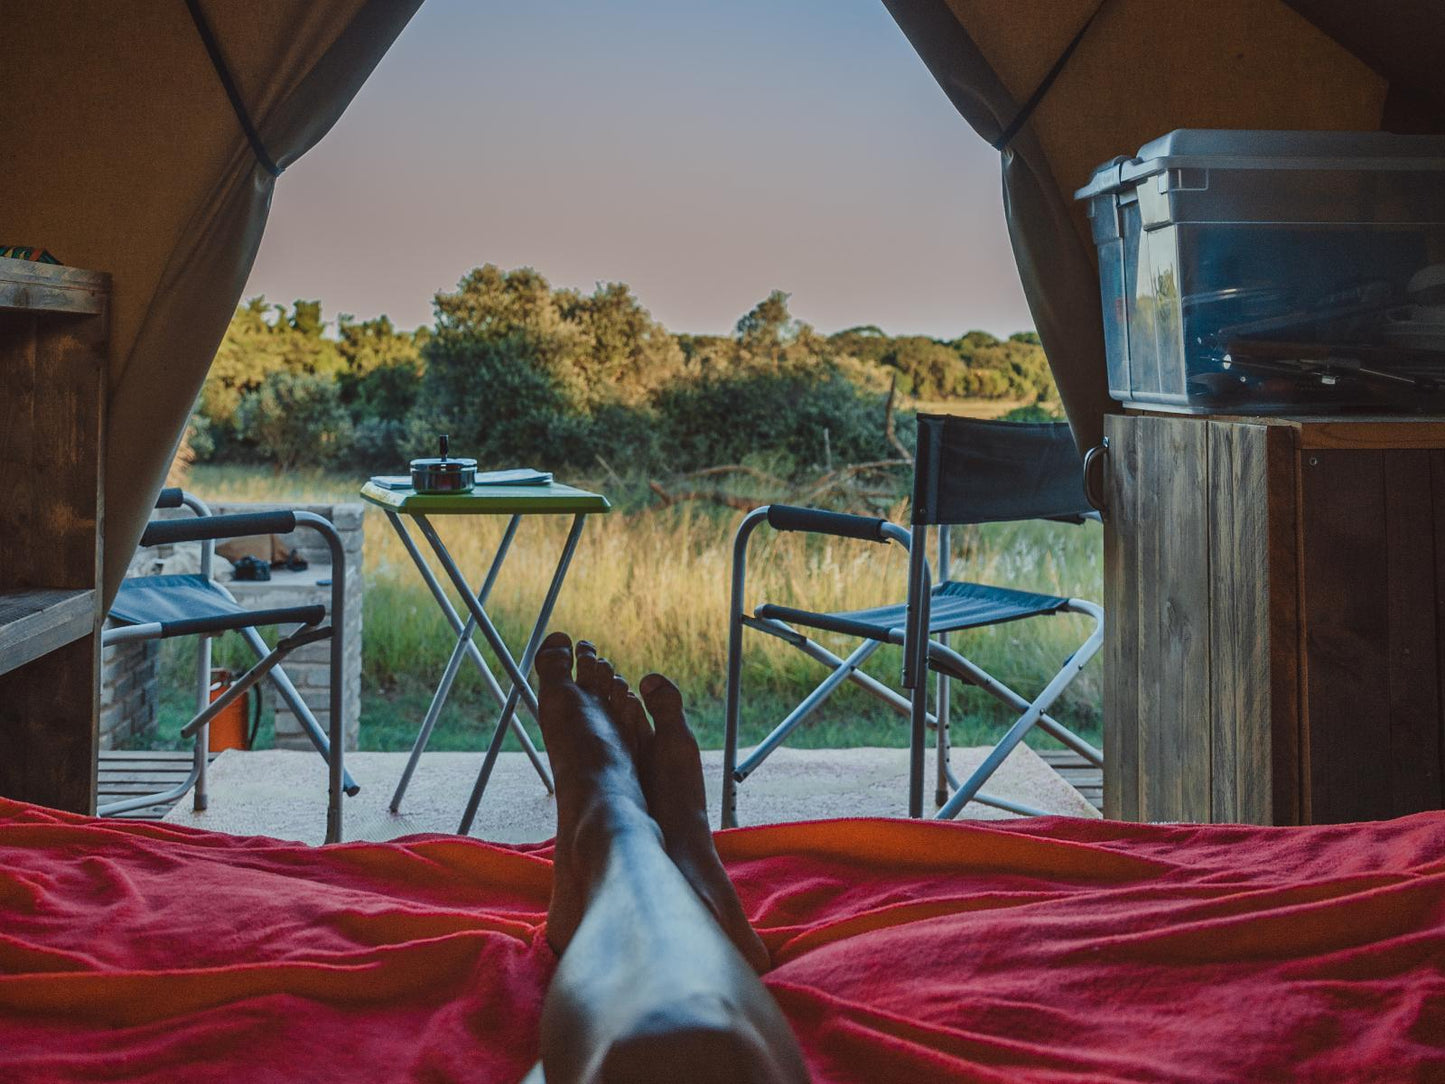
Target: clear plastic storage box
1274,272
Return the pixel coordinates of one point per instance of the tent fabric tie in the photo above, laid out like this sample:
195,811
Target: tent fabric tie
218,61
1048,81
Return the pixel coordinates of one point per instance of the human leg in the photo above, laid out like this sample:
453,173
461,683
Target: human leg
670,768
649,986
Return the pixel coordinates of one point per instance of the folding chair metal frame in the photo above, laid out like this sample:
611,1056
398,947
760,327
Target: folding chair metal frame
206,529
922,651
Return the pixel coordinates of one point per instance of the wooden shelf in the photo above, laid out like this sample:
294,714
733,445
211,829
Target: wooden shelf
48,287
34,623
54,347
1357,431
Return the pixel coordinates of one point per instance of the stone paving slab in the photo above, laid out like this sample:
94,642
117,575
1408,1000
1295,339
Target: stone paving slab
281,793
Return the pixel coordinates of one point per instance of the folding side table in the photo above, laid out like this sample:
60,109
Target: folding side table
514,502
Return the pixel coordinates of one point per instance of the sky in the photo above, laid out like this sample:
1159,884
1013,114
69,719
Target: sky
703,151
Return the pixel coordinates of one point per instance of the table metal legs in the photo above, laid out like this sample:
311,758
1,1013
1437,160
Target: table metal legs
529,655
464,646
520,691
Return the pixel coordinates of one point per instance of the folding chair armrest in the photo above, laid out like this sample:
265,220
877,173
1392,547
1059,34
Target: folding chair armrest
787,517
169,531
176,497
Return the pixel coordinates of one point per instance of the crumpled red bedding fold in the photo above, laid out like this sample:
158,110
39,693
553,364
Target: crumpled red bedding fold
1045,950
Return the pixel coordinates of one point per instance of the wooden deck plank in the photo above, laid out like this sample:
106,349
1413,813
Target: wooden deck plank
1078,773
126,773
122,769
147,813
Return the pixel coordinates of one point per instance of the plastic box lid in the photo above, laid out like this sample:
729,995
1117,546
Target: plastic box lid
1208,148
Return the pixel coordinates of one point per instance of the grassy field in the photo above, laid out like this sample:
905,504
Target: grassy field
987,409
649,585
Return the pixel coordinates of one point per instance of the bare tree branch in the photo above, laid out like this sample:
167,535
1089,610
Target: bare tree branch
845,479
733,468
888,422
845,474
668,499
608,468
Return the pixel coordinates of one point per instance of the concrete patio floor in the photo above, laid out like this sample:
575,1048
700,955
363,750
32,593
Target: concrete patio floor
281,793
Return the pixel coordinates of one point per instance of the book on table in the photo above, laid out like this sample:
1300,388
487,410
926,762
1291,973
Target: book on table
518,476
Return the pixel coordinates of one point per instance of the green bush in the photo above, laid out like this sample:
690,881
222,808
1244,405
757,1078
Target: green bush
294,419
381,445
1034,412
728,418
519,372
489,397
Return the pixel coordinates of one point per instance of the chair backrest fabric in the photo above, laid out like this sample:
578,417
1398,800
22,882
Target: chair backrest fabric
972,471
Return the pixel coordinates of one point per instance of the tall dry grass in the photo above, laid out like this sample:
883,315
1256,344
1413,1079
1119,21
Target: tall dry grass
651,585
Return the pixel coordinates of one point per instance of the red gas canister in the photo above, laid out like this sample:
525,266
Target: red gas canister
228,729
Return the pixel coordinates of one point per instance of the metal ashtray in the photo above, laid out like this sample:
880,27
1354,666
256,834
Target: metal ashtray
443,474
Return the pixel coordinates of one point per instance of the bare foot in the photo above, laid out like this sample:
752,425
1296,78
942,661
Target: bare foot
598,791
597,676
670,768
677,800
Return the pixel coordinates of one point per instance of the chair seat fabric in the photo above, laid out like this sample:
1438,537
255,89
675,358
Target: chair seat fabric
956,605
191,598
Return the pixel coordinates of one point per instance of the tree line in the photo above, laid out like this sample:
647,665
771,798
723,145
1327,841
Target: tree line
517,371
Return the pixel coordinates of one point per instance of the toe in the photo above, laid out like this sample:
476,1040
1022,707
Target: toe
617,693
599,681
631,720
635,717
664,702
586,663
554,659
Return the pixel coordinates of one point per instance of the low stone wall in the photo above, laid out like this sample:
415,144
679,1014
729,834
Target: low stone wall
128,698
128,691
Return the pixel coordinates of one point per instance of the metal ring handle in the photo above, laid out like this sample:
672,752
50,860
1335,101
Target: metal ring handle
1094,493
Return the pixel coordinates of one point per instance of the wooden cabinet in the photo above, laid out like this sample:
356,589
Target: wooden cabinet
53,332
1275,590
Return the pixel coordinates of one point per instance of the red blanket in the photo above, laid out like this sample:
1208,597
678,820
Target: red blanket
1042,950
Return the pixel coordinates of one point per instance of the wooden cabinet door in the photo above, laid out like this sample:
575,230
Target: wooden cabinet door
1192,549
1372,530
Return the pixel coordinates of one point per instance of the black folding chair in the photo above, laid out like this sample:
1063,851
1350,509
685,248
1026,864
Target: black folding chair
161,607
965,472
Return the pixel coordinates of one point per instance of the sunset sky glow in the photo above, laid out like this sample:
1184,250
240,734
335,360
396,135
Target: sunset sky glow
703,151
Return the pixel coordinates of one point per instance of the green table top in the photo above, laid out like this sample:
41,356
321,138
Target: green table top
553,499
